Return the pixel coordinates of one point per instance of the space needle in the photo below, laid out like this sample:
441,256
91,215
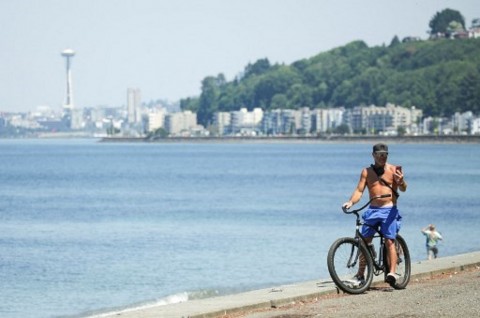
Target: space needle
68,55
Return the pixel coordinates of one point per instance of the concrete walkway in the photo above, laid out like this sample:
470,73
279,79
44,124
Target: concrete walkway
282,295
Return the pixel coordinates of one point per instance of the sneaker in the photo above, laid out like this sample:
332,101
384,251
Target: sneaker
391,279
357,281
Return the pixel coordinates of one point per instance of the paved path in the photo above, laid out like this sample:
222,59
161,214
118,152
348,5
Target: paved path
451,294
316,291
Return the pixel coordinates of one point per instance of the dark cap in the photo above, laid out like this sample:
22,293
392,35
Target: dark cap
380,148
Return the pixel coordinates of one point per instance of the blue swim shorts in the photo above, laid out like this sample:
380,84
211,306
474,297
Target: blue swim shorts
388,218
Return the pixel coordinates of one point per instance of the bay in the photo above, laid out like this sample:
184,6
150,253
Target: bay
86,226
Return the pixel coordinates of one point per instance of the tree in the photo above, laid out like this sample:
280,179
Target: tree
343,129
158,133
189,103
279,101
469,97
300,95
277,81
395,41
441,20
257,68
208,103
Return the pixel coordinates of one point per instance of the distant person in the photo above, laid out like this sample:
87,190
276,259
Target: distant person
380,178
433,236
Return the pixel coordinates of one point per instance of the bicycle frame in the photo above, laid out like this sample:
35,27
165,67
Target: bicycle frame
378,262
378,259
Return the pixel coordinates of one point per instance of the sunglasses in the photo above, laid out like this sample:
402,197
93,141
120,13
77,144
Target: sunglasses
381,154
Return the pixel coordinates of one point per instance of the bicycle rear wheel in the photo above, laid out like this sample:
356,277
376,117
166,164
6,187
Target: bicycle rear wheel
403,269
345,257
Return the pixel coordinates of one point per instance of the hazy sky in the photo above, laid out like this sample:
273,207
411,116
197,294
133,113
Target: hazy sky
165,48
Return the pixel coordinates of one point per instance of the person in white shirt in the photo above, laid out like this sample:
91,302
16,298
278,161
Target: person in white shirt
433,236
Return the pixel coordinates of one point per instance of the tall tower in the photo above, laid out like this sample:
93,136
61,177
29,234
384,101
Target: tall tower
134,101
68,55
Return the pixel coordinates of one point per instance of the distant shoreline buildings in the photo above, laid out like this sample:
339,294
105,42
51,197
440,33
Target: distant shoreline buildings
163,120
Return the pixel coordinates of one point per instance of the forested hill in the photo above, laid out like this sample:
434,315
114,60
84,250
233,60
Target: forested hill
438,76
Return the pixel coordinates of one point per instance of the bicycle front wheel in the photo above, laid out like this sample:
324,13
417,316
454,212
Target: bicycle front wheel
350,265
403,263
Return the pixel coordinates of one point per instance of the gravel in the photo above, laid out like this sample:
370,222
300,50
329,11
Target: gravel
450,294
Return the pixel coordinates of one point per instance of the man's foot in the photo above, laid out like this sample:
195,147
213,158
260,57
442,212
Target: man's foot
391,279
357,281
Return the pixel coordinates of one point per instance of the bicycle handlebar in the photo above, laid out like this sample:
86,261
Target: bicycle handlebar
345,210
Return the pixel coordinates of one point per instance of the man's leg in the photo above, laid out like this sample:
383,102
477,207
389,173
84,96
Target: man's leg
392,255
363,261
430,253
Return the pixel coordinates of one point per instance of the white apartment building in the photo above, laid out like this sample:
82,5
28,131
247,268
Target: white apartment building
305,120
156,119
458,123
327,119
475,126
462,122
222,123
386,119
181,123
245,122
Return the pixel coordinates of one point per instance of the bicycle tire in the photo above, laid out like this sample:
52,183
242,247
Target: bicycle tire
404,265
343,262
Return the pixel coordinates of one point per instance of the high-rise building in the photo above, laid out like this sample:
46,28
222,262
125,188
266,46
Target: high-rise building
134,100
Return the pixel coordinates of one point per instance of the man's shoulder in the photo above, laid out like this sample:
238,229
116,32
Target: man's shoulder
367,170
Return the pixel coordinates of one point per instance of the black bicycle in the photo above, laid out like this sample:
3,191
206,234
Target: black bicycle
348,254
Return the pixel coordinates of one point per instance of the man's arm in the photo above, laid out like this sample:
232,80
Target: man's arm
402,184
358,192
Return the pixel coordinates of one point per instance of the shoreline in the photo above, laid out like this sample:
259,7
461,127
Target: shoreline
278,297
453,139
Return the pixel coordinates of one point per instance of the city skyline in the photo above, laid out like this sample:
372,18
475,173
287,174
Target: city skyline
167,48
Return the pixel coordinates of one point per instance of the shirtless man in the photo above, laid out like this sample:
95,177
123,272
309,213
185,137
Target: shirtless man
382,211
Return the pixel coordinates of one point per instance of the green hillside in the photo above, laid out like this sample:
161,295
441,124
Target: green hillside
438,76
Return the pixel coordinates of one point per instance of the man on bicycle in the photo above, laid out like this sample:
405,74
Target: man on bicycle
381,178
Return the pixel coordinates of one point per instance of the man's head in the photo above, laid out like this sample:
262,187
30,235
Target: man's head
380,154
380,148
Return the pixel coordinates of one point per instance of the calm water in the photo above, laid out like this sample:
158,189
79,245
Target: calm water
87,226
